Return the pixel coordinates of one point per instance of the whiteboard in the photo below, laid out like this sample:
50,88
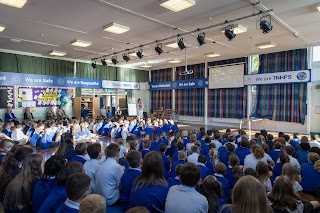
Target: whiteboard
132,109
226,77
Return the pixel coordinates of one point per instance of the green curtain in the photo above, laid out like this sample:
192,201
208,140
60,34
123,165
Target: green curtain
126,74
35,65
100,72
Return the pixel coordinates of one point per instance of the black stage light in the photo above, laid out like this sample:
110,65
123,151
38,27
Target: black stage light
114,60
266,26
181,43
94,65
140,53
228,32
103,61
126,57
201,38
158,48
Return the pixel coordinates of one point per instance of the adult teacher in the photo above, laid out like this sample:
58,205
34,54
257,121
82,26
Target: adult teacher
139,109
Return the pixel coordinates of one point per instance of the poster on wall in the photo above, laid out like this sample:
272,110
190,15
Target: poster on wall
226,77
7,97
43,96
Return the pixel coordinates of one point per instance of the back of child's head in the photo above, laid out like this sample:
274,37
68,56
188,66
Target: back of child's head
112,150
217,136
277,145
305,146
67,170
138,209
134,159
198,144
195,149
264,132
184,134
270,137
257,134
202,129
178,169
94,149
289,150
203,133
209,132
202,158
193,138
251,172
190,174
262,169
230,138
304,139
77,186
284,158
146,144
280,134
212,146
162,147
314,137
155,137
286,137
230,147
120,141
244,142
207,140
265,147
180,145
93,203
81,148
220,168
182,155
53,166
296,135
313,157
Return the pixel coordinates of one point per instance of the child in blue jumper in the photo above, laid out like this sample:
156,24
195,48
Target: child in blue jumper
220,170
36,137
173,181
81,150
182,156
146,147
204,171
165,159
155,143
47,139
5,147
7,129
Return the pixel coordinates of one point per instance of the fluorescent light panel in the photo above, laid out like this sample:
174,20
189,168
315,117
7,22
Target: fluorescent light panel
178,5
80,43
14,3
175,61
266,45
116,28
318,6
108,61
57,53
213,54
172,44
146,66
237,29
2,27
133,54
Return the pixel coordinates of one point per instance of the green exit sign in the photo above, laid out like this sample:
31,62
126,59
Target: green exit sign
107,90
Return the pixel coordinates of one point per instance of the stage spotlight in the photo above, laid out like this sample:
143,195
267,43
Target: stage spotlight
140,53
201,38
229,33
266,26
94,65
181,43
126,57
103,61
114,60
158,48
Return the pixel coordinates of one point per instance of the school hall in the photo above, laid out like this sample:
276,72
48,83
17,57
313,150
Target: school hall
159,106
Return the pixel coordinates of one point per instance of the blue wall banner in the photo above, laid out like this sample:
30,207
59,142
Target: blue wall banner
182,84
299,76
9,78
120,85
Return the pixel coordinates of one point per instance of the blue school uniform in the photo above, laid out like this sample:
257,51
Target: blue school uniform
225,186
144,152
166,128
2,155
210,165
310,177
173,181
147,196
274,154
46,141
137,131
302,156
106,130
56,197
158,130
185,141
224,157
41,191
164,140
174,128
175,157
295,143
229,176
174,165
25,129
8,117
119,130
79,159
35,139
205,149
31,132
204,171
126,182
84,133
70,154
149,130
166,163
202,141
99,128
155,146
242,152
7,132
277,171
63,208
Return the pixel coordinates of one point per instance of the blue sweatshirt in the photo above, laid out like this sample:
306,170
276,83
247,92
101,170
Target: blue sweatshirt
56,197
41,191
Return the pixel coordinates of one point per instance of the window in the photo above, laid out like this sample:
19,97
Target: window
316,53
255,63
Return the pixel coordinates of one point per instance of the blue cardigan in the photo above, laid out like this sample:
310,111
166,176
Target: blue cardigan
41,191
7,117
56,197
79,159
310,177
126,182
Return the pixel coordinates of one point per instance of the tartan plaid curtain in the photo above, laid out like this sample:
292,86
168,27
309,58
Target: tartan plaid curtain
228,103
161,98
282,102
190,102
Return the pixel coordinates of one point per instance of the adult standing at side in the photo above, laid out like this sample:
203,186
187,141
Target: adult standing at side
103,111
139,109
9,116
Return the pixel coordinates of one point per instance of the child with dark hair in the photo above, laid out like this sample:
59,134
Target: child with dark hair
47,182
172,181
302,154
77,188
199,136
155,143
66,146
274,154
296,140
270,142
243,150
7,129
146,147
220,170
91,166
81,150
205,146
264,175
5,147
224,156
180,147
165,159
184,198
181,160
277,169
215,140
204,171
134,159
233,172
251,172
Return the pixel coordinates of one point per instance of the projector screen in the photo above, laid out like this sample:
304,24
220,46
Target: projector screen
226,77
132,109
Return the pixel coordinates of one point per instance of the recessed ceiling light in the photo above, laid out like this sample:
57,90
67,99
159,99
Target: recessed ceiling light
2,27
318,6
146,66
116,28
57,53
178,5
213,54
175,61
80,43
172,44
109,61
14,3
237,28
266,45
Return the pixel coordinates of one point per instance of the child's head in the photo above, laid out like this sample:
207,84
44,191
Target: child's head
305,146
193,138
220,168
230,138
162,147
94,150
93,203
286,138
178,169
202,158
296,135
120,142
138,209
190,174
77,187
270,137
19,126
313,157
7,125
182,155
146,144
184,134
180,144
6,145
284,158
146,136
230,148
134,159
207,140
217,136
53,166
251,172
155,137
277,145
263,171
289,150
195,149
81,148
